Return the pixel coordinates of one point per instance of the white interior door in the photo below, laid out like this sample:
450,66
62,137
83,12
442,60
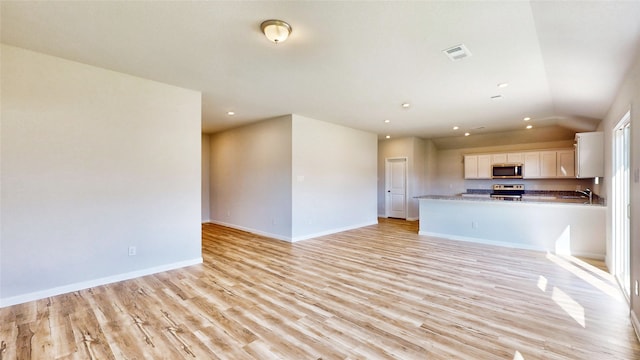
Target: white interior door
396,186
621,204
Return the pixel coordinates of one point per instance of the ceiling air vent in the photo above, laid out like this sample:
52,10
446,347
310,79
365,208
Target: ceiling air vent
457,52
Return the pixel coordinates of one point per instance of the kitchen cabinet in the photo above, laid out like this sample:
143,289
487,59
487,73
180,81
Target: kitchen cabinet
477,167
543,164
515,158
548,164
507,158
498,158
589,159
565,163
531,165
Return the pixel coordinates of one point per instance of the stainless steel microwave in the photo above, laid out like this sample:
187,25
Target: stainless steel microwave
506,171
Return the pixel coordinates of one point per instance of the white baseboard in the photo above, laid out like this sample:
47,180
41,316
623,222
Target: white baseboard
37,295
296,238
253,231
333,231
506,244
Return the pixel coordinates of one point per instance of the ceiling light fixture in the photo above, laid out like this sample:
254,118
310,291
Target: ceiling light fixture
388,137
467,134
276,31
406,105
230,113
387,121
527,118
503,85
529,126
456,127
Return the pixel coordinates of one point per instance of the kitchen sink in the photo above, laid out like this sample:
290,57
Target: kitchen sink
575,197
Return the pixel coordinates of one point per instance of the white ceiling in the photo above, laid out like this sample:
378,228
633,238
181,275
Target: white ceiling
354,63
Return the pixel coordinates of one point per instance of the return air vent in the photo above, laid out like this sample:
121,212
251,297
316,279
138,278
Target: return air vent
457,52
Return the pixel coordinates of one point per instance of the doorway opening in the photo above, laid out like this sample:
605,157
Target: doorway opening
621,203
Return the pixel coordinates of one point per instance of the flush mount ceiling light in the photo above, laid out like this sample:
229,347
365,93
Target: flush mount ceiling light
388,137
230,113
503,85
406,105
456,127
276,31
529,127
467,134
527,118
387,121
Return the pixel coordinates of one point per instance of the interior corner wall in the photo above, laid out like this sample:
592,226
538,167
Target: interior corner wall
92,162
334,178
415,150
628,98
250,178
205,183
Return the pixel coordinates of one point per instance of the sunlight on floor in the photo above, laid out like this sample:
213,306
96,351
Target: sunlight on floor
569,263
542,283
570,306
563,243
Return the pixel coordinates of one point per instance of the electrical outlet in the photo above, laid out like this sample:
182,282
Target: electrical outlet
132,250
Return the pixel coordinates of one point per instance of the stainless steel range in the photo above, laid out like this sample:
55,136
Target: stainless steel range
507,191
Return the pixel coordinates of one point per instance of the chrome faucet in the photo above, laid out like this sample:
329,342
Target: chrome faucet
588,193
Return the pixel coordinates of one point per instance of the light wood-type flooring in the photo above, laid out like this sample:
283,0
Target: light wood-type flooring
379,292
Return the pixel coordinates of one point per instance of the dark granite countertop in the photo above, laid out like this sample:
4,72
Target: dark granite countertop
549,197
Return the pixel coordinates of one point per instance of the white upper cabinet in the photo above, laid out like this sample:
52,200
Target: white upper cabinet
477,167
515,158
565,164
589,155
498,158
531,165
544,164
548,164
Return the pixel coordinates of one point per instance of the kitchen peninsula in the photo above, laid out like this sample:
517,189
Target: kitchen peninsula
562,225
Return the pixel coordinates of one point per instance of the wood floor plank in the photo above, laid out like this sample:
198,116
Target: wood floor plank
378,292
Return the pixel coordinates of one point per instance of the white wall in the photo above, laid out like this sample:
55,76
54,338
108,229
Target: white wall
334,178
450,170
419,159
628,98
205,183
93,161
250,177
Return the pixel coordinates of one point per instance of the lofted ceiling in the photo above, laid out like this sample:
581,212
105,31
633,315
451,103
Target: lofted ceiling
354,63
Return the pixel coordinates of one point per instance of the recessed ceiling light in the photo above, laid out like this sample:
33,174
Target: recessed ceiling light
387,121
456,127
527,118
388,137
406,105
467,134
496,97
503,85
230,113
529,126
